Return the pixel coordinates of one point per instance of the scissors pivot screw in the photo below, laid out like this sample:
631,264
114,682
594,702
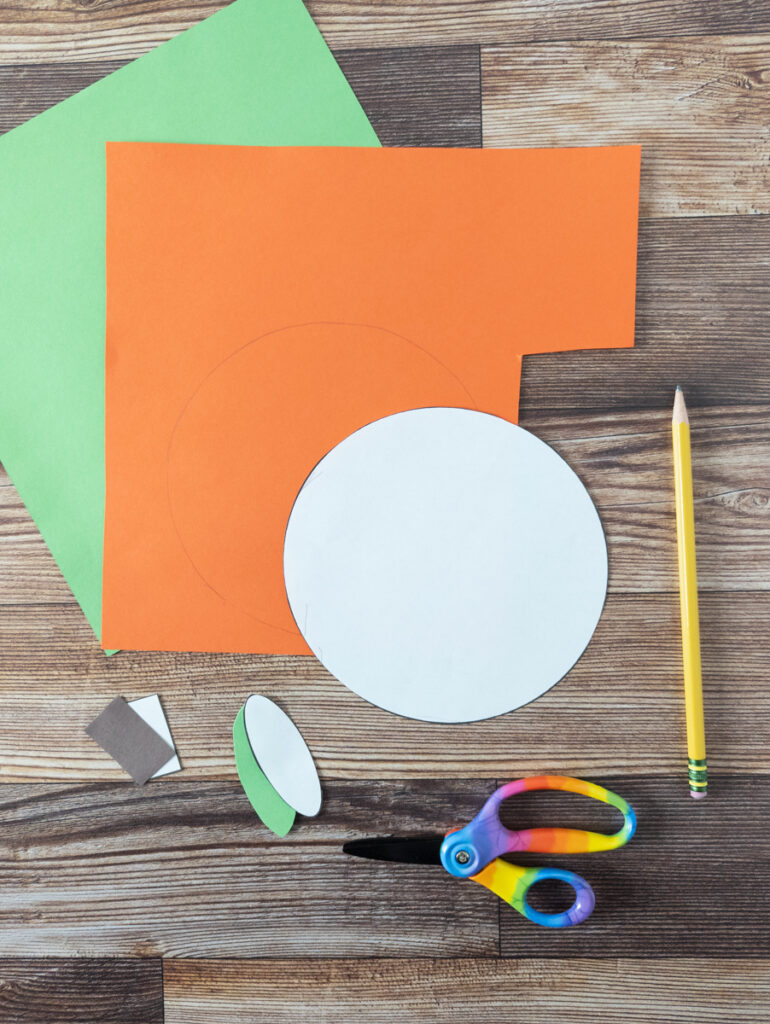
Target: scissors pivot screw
462,856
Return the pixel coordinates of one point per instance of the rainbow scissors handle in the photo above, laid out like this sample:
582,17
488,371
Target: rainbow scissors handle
474,851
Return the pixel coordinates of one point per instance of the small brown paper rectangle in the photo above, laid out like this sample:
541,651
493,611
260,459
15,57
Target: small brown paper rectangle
130,740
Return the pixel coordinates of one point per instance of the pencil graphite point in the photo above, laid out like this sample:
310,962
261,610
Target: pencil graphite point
680,409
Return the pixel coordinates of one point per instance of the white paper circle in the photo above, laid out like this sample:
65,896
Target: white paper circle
445,564
282,754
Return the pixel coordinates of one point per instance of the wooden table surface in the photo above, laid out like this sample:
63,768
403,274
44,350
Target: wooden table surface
171,902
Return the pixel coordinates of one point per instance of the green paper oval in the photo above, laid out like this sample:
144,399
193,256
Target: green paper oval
271,809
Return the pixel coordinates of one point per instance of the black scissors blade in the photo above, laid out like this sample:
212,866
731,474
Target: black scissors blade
419,850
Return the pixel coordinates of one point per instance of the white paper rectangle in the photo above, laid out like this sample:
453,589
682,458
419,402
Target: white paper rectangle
151,710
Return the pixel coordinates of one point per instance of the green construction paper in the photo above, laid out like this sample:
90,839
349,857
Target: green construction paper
256,73
270,808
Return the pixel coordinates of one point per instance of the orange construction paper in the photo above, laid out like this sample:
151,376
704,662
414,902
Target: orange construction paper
262,304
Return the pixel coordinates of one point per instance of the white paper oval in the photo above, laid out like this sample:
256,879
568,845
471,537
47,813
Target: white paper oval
282,754
445,564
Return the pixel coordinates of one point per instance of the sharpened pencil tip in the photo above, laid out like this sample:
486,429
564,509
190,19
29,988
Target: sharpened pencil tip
679,387
680,409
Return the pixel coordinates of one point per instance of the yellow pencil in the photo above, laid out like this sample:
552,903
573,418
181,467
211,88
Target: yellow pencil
688,599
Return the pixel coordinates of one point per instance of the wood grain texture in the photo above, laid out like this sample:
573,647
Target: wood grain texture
702,321
407,22
620,709
447,991
186,869
699,107
421,96
688,883
48,990
46,31
418,96
50,30
26,90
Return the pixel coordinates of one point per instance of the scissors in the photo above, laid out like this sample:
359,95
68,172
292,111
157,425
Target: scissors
474,851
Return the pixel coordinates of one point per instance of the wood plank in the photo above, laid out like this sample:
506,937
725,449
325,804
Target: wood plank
57,30
624,459
522,992
49,990
418,96
404,22
186,869
699,107
26,90
702,321
27,569
422,96
674,891
49,30
619,710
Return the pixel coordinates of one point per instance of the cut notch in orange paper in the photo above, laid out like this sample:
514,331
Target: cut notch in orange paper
263,304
